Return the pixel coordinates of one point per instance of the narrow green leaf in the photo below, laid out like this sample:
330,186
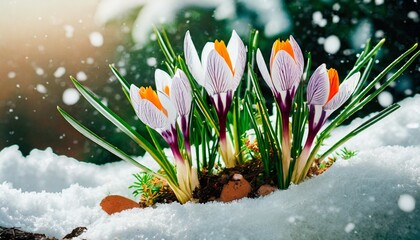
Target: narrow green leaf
125,85
361,128
101,142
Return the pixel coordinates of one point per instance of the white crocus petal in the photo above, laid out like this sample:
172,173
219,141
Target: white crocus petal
318,87
285,72
317,113
168,106
208,47
343,94
135,96
297,53
237,54
162,80
181,93
192,60
149,114
218,74
263,70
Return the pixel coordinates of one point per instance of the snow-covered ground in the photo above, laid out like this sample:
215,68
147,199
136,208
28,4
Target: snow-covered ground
374,195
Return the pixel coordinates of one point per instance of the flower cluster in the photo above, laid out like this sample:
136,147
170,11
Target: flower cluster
207,113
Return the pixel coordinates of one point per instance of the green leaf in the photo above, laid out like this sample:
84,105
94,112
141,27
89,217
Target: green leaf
126,128
101,142
125,85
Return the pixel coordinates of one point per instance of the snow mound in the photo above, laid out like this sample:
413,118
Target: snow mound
374,195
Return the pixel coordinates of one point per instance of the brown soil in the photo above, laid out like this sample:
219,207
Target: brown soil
211,185
16,234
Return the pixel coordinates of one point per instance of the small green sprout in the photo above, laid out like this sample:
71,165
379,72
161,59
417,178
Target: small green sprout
148,187
346,154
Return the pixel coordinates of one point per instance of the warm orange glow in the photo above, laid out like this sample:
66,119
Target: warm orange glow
334,82
149,94
283,45
222,50
166,89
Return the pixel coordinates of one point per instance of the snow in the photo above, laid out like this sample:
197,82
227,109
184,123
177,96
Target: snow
71,96
332,44
81,76
96,39
385,99
59,72
374,195
41,88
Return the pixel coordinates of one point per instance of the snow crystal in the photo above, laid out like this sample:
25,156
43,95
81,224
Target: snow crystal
96,39
59,72
90,60
69,31
71,96
385,99
151,61
370,196
413,15
332,44
39,71
318,19
41,88
349,227
361,33
406,203
81,76
225,10
11,75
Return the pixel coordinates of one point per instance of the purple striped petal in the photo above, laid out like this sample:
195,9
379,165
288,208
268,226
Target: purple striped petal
285,72
345,91
135,97
318,87
298,53
149,114
181,93
218,74
169,107
192,60
237,54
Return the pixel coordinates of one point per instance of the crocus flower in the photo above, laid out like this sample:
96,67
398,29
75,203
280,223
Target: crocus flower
158,112
324,96
178,89
286,69
219,71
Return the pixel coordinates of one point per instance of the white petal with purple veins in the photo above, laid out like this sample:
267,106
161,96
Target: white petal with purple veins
181,93
218,74
345,91
318,87
168,106
285,72
149,114
134,96
297,52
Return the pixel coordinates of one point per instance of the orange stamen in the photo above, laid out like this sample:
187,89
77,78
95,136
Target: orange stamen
334,82
285,46
220,47
166,89
149,94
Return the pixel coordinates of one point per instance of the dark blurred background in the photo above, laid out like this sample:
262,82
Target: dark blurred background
42,43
